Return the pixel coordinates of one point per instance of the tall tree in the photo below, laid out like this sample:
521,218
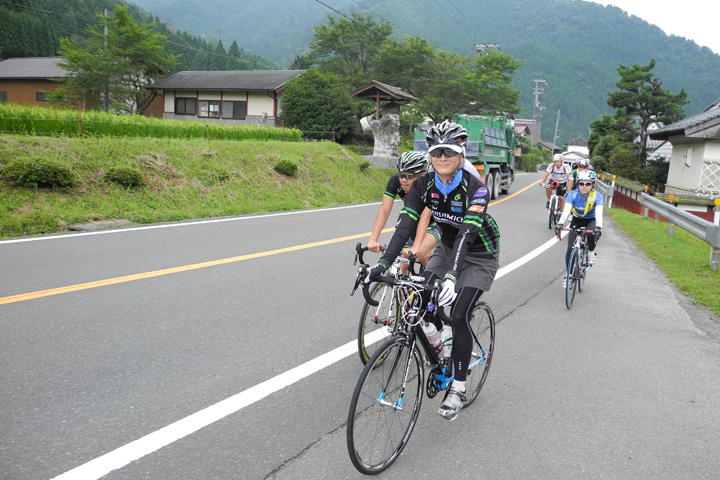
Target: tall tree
447,83
318,103
110,70
349,47
642,95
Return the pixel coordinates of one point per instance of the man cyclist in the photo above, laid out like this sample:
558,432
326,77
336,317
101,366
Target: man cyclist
410,166
466,258
583,166
558,172
586,207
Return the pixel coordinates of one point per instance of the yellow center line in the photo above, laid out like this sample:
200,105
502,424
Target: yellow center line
186,268
167,271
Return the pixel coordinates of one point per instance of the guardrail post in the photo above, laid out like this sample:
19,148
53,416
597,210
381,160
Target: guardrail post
715,249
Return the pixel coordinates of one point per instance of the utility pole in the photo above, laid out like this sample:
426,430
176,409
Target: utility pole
107,93
556,127
537,91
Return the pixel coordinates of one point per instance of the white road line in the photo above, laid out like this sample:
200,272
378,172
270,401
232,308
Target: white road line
174,225
152,442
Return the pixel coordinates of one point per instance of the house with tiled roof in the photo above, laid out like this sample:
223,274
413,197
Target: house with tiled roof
695,158
235,97
29,80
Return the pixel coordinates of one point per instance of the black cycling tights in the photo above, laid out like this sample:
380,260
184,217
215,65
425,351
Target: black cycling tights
461,315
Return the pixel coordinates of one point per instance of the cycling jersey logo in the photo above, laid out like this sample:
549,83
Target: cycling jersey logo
478,201
458,196
476,208
481,192
456,209
456,204
435,195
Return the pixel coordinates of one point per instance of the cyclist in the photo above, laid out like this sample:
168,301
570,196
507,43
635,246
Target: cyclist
559,172
410,166
586,206
582,166
466,258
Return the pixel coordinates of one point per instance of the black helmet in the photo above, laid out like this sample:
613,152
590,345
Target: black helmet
413,162
446,133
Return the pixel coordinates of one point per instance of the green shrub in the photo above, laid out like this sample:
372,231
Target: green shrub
287,168
38,173
125,176
364,165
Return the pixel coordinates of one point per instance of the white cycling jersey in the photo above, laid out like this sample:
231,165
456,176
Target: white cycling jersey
561,174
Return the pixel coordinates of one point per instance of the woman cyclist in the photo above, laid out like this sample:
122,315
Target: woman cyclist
586,207
466,258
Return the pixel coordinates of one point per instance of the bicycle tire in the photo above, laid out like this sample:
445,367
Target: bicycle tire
377,430
482,326
373,319
572,277
552,218
582,269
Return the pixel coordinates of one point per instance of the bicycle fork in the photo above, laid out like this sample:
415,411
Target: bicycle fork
399,404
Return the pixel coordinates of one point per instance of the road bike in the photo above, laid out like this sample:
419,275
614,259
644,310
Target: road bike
386,402
577,266
553,205
379,319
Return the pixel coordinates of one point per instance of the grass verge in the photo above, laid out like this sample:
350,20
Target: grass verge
684,258
181,179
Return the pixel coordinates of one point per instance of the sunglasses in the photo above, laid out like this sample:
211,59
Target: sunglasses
448,152
408,176
585,184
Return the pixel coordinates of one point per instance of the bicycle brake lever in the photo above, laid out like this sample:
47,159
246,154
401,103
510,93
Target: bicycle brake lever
358,279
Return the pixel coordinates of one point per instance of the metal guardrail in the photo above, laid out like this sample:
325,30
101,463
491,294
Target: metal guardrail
606,190
704,230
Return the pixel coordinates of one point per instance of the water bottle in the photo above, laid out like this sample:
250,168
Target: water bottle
432,334
446,337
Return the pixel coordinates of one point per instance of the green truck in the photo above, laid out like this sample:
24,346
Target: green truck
491,148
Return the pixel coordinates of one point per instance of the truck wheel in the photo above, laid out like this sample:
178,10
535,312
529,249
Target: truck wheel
496,185
490,184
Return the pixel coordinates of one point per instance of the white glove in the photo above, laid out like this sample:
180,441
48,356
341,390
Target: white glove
447,293
374,272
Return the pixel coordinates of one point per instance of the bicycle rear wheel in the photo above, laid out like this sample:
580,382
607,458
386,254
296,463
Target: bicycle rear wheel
377,324
573,276
482,326
385,406
551,213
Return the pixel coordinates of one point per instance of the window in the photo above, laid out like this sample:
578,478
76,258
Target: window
209,108
494,137
687,157
184,106
3,97
42,96
234,110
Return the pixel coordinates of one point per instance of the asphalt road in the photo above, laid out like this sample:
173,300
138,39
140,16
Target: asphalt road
200,350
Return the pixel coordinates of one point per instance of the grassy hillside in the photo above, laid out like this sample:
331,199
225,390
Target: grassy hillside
182,180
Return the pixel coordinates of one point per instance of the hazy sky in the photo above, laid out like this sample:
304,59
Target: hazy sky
696,20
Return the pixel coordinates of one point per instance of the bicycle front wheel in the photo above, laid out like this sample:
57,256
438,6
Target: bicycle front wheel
377,324
385,406
551,213
573,277
482,327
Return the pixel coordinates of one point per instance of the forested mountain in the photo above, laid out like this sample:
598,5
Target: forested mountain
574,45
33,28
